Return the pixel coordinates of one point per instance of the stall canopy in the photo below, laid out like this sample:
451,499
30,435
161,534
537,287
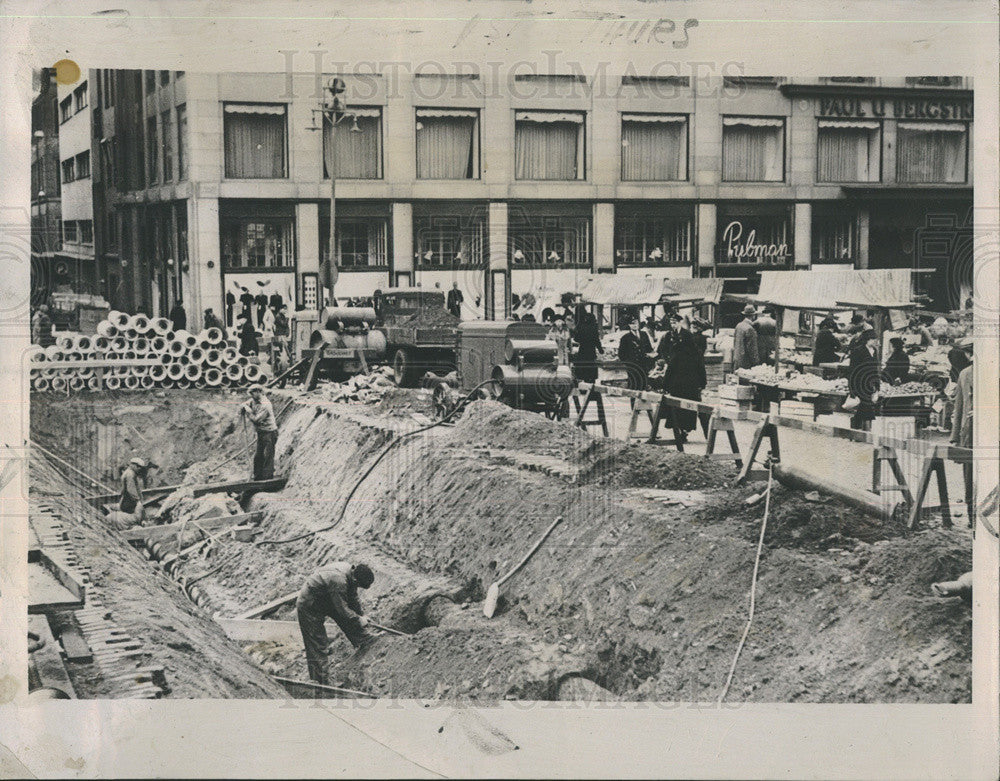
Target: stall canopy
708,290
625,291
827,290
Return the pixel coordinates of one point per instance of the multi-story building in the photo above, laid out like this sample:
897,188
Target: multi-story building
75,263
219,182
46,223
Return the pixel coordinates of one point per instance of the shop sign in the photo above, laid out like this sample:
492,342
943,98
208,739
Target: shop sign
741,246
895,108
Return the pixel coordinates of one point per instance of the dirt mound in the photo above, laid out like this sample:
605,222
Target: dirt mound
492,423
650,466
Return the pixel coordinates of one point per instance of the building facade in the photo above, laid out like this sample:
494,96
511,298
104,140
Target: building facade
46,192
212,183
75,263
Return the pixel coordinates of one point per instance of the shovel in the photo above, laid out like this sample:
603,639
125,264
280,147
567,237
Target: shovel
493,593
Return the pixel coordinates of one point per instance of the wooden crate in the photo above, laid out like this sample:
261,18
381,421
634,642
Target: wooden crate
736,392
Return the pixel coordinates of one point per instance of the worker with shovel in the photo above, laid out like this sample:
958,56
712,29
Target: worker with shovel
261,414
131,510
332,592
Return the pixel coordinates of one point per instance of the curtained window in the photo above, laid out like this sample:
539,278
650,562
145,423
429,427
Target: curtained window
363,242
753,149
654,147
834,238
257,242
848,151
447,144
357,147
548,145
931,152
254,141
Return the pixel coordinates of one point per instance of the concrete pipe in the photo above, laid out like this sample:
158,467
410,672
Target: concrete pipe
234,372
169,336
85,373
213,377
243,361
57,384
200,384
64,343
93,384
77,382
53,353
175,371
213,357
141,346
101,343
49,373
107,329
83,344
41,384
157,345
119,344
165,358
36,354
215,336
192,372
252,373
158,373
177,348
74,356
196,355
119,319
131,334
229,355
112,383
184,383
869,503
161,326
139,323
146,382
130,382
226,382
140,371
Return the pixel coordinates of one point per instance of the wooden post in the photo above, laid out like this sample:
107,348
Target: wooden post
715,425
933,463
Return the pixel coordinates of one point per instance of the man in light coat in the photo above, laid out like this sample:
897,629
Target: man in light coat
745,352
961,423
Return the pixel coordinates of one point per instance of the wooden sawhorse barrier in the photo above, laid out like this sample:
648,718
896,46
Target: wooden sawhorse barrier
889,455
764,429
591,394
934,465
716,423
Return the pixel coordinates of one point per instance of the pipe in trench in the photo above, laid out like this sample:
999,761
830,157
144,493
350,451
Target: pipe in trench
869,503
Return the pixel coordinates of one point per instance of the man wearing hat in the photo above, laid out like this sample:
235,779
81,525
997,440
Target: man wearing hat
961,421
767,335
864,379
825,349
897,365
261,414
133,479
745,352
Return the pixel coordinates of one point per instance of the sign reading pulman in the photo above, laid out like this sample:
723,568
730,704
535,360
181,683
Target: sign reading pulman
737,248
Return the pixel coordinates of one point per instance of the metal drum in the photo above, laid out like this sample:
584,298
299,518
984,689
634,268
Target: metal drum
534,387
530,350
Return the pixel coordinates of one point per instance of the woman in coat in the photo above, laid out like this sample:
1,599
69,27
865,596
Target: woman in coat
248,339
864,379
685,376
588,338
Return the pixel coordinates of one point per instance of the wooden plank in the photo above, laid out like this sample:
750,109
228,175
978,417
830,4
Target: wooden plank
274,604
47,593
76,647
167,530
47,660
255,630
198,489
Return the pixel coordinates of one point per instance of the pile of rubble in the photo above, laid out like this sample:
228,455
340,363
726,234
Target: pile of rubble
367,388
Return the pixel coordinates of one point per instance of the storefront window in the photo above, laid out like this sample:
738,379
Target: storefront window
848,151
363,238
931,152
654,147
754,240
257,242
357,153
447,144
548,145
254,141
450,240
539,239
834,238
643,240
753,149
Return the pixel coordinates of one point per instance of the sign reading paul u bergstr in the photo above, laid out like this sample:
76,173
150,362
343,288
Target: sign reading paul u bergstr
945,108
740,245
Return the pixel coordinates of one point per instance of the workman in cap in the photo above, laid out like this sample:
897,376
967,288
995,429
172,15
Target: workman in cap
745,352
261,414
134,477
332,592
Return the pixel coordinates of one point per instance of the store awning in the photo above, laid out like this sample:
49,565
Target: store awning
829,290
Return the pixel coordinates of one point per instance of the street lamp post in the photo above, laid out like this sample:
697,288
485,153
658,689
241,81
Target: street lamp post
332,108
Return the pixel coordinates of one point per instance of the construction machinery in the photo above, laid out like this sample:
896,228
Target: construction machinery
509,361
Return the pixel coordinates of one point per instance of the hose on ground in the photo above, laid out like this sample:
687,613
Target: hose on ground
371,468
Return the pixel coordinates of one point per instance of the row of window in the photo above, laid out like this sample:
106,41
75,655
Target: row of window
444,242
77,167
78,231
73,103
550,146
166,143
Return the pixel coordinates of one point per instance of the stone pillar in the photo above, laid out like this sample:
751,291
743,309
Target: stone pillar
706,226
402,241
206,276
497,301
604,238
307,225
803,235
863,224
